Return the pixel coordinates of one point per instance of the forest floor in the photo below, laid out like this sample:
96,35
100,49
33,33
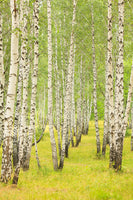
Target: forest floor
84,177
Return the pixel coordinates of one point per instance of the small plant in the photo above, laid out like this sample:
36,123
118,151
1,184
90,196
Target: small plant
128,133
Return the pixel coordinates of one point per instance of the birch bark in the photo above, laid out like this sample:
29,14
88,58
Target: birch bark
1,84
128,105
36,150
21,80
6,169
25,68
72,128
94,87
79,108
57,94
67,102
110,86
50,103
106,113
119,91
34,85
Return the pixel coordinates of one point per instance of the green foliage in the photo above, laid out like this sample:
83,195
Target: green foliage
128,133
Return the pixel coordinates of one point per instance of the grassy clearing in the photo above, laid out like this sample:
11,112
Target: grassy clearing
84,177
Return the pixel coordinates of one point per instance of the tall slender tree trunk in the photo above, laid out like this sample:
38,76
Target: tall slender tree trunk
79,108
25,67
119,91
6,169
50,103
44,109
83,103
36,150
110,86
72,125
1,84
34,86
23,77
128,105
94,88
106,114
89,110
67,102
57,94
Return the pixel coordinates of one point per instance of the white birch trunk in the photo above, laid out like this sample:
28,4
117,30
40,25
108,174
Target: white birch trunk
36,151
67,102
106,114
83,103
79,108
110,86
50,103
22,69
72,125
7,142
89,110
128,105
1,84
25,68
119,91
57,94
94,88
44,104
34,86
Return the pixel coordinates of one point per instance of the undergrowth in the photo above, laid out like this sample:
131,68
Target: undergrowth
85,176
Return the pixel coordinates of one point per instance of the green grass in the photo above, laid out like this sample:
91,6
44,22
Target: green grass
84,177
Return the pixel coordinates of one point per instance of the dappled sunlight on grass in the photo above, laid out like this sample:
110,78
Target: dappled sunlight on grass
84,177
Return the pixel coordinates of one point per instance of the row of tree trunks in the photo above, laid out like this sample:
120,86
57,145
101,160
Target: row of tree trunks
34,86
33,102
25,68
67,100
6,170
19,90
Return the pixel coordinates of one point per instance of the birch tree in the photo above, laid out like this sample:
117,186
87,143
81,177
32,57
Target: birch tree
119,90
73,124
57,93
1,84
22,81
110,85
94,87
6,169
50,103
25,67
34,86
67,101
128,105
106,114
79,108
